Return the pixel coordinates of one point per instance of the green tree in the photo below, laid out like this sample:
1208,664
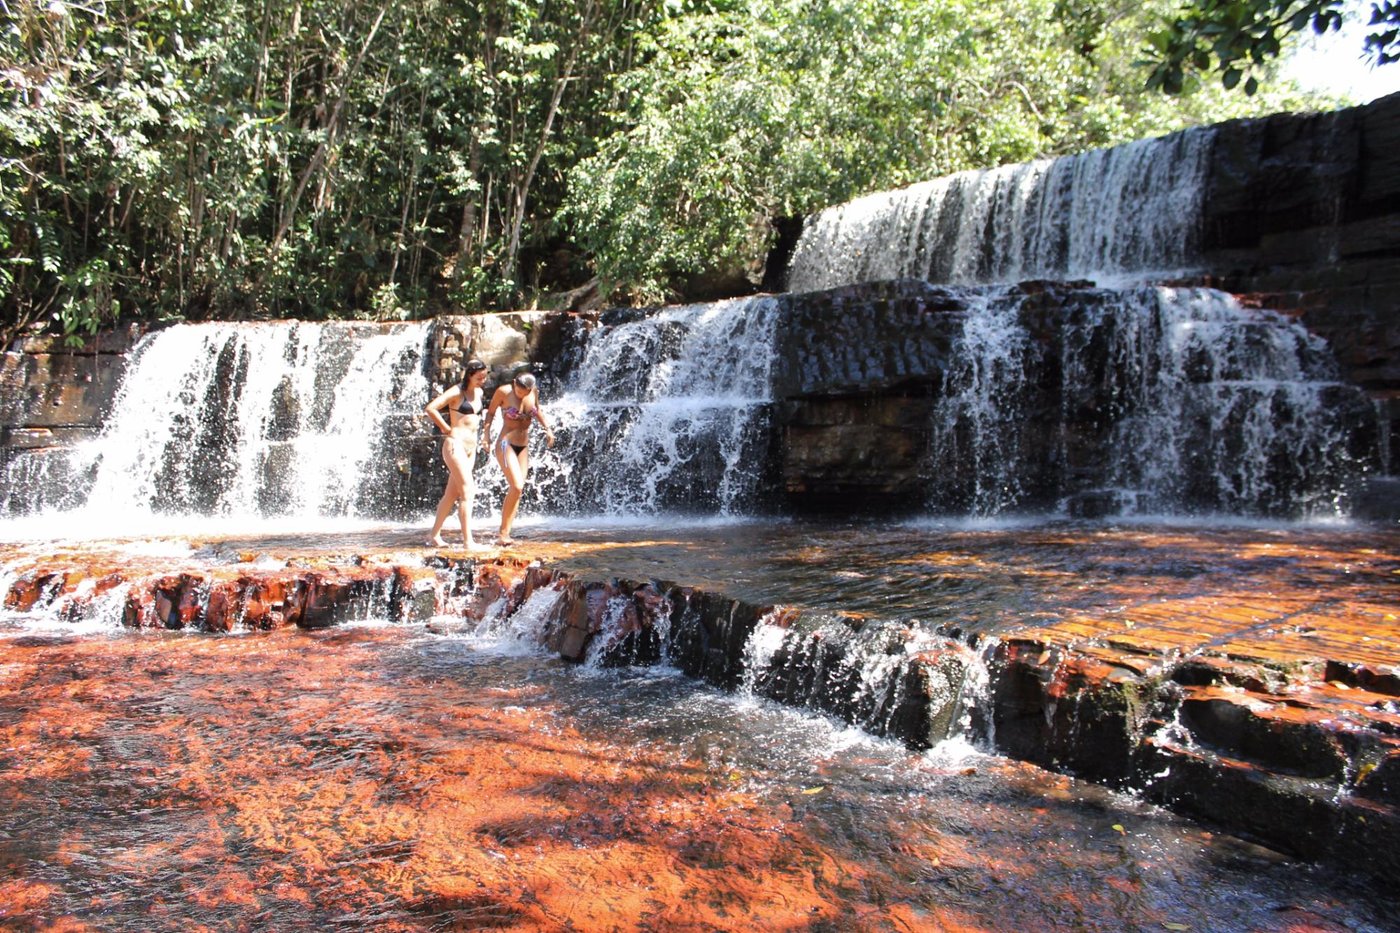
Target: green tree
1240,38
735,117
291,157
360,158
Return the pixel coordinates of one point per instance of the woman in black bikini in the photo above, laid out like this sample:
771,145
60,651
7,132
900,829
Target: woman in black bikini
462,403
519,404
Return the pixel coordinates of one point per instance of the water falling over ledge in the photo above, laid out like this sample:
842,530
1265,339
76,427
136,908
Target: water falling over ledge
1130,212
240,421
981,400
1043,397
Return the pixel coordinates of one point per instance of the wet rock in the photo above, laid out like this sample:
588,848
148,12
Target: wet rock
1247,729
170,602
572,621
33,590
640,619
1376,680
414,595
261,602
925,708
1290,813
1261,751
1381,781
709,632
1300,755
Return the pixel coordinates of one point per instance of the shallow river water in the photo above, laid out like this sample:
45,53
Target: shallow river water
386,777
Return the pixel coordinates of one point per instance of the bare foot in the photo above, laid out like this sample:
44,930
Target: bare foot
435,541
505,540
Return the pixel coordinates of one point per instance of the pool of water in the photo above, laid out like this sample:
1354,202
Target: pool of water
386,777
980,578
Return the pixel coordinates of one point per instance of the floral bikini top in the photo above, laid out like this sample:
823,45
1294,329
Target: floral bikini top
513,413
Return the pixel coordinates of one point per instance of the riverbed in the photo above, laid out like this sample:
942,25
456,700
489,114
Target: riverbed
434,776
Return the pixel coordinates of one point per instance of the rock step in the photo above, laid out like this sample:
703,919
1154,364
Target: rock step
1301,756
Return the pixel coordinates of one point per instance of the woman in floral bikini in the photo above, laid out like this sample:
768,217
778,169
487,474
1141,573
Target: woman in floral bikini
518,404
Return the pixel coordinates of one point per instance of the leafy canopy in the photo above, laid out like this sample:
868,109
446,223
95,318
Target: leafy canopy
1239,38
368,159
737,116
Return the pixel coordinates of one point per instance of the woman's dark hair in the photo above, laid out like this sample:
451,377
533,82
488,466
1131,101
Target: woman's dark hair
526,381
473,367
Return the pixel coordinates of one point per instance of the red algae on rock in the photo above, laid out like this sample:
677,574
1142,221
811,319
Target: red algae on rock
275,778
1219,672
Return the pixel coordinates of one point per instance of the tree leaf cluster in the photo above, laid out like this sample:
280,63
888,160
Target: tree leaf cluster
306,158
782,107
1240,39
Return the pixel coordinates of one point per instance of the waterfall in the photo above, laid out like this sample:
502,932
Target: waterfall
669,411
1150,400
280,419
886,678
1127,211
1235,409
979,418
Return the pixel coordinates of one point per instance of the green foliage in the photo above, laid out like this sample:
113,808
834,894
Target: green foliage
357,158
737,117
255,158
1240,38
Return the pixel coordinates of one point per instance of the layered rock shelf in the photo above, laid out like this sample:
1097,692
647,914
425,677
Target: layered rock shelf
1277,719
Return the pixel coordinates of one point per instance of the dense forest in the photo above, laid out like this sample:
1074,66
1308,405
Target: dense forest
200,159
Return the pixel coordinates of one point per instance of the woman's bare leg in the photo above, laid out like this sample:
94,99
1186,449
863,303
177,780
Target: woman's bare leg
452,495
444,509
516,467
464,502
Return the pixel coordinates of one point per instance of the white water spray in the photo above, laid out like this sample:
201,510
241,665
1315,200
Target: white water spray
244,421
666,412
1128,211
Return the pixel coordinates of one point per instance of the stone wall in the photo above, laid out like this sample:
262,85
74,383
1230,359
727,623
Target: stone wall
53,395
1302,214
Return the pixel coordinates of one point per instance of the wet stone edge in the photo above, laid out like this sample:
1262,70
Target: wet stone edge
1267,755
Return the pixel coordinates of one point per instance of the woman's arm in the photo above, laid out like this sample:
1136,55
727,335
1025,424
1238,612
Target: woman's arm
489,418
539,416
434,408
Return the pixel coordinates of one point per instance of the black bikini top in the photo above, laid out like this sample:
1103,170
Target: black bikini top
466,407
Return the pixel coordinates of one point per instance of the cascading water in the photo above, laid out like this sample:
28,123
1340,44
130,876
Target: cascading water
979,417
670,411
1150,400
886,678
280,419
1212,404
1125,211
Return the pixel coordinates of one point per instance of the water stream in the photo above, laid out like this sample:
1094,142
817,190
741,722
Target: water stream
1130,212
664,411
382,776
399,774
239,421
